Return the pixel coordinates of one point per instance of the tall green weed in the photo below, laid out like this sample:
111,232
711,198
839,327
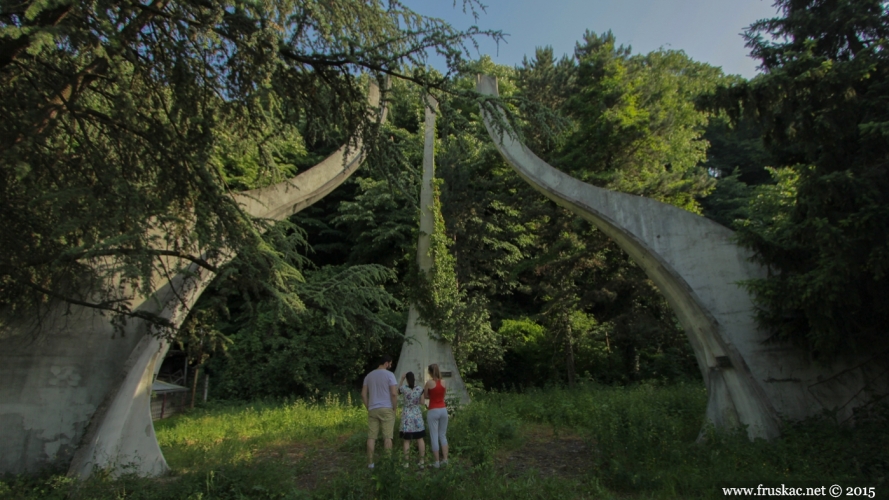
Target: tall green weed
229,434
641,443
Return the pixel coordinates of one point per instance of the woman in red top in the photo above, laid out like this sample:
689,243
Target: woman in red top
437,416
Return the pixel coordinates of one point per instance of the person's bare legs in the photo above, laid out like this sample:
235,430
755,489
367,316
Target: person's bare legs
387,441
444,453
371,443
407,450
421,445
435,454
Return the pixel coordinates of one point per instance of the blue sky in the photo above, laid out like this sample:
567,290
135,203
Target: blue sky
707,30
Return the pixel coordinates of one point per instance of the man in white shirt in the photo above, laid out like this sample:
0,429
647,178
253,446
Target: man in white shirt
380,397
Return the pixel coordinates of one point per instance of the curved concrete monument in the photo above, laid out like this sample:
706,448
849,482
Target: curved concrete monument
420,349
750,381
81,394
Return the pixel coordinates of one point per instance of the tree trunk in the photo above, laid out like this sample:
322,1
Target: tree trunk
194,385
569,354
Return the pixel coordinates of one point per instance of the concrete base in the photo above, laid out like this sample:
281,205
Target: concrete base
53,386
77,395
121,435
751,381
420,350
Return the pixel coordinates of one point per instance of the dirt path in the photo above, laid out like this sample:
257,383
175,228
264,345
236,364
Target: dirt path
318,461
541,451
562,455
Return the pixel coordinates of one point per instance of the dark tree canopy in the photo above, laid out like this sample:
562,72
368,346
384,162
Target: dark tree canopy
126,124
821,230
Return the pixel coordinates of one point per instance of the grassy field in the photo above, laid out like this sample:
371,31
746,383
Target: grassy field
589,442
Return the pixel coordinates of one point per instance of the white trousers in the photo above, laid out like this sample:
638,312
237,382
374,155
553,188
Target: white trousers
437,421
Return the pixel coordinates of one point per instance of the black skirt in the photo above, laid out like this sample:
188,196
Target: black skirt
410,436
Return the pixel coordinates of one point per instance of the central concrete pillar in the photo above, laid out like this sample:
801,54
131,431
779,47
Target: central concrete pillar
421,348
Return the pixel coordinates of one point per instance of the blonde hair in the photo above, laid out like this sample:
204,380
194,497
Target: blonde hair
434,371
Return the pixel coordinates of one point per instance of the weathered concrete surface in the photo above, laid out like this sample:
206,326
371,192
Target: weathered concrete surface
693,261
420,349
78,395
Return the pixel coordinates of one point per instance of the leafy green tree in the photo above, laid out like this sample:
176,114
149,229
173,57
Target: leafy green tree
551,83
360,243
738,160
821,102
635,129
728,204
127,124
349,317
638,130
451,313
736,146
381,219
594,310
369,225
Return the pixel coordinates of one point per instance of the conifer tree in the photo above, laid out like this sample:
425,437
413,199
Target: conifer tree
127,124
821,229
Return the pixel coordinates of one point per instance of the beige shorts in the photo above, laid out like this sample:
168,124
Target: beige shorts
380,419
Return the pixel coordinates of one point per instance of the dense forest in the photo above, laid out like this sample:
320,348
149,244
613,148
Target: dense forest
130,129
529,295
539,296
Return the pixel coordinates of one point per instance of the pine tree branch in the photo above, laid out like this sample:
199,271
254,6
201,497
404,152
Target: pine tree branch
71,91
11,48
102,306
126,251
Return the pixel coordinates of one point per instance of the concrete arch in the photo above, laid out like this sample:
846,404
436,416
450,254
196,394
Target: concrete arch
750,382
82,394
